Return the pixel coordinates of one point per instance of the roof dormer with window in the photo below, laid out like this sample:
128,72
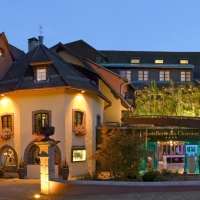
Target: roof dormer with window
184,61
135,60
41,71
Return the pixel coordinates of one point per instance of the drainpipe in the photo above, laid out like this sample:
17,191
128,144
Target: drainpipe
121,85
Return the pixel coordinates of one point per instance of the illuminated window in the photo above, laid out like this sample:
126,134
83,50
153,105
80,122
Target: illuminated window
164,75
126,74
41,120
8,158
78,118
184,61
1,52
41,74
185,76
33,155
143,75
6,121
78,154
159,61
135,60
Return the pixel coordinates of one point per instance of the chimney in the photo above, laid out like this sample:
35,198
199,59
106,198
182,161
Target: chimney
32,43
40,38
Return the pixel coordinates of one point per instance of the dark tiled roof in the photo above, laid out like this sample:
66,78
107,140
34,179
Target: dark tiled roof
17,53
20,75
61,47
150,56
83,49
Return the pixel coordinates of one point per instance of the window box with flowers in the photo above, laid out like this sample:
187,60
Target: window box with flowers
5,134
80,130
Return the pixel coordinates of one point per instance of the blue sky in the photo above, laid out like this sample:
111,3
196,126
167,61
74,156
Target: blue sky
140,25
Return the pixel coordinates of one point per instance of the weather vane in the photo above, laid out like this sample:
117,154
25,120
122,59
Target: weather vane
40,29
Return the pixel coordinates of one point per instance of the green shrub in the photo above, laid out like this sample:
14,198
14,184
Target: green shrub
159,178
90,176
167,173
149,176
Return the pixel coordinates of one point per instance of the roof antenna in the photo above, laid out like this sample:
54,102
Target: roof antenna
40,37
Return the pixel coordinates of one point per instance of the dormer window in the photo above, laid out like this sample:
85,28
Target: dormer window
184,61
41,74
135,60
41,70
159,61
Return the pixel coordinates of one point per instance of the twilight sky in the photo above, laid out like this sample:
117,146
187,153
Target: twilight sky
139,25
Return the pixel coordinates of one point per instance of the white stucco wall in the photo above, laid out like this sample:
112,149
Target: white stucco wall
60,102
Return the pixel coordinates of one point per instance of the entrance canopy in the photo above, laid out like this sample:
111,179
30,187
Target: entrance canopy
189,122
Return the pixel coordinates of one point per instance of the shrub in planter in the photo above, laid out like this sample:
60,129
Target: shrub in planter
90,176
149,176
159,178
166,172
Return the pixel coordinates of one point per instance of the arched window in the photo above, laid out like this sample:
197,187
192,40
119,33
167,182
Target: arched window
8,157
33,155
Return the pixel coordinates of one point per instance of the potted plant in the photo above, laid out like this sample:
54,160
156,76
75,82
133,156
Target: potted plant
64,170
22,169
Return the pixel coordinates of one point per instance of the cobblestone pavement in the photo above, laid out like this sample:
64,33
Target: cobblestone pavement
25,189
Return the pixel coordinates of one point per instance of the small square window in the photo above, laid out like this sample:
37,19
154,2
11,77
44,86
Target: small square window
78,154
41,74
184,61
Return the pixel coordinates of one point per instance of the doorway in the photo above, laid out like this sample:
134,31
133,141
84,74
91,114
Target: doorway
171,156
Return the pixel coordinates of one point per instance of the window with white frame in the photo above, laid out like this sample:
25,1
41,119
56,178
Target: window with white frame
126,74
41,74
143,75
164,75
185,76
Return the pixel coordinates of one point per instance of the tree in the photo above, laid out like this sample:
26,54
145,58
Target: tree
121,154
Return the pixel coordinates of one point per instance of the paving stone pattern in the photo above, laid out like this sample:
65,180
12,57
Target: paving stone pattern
25,189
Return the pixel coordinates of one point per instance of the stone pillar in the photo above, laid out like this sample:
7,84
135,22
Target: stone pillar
47,168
